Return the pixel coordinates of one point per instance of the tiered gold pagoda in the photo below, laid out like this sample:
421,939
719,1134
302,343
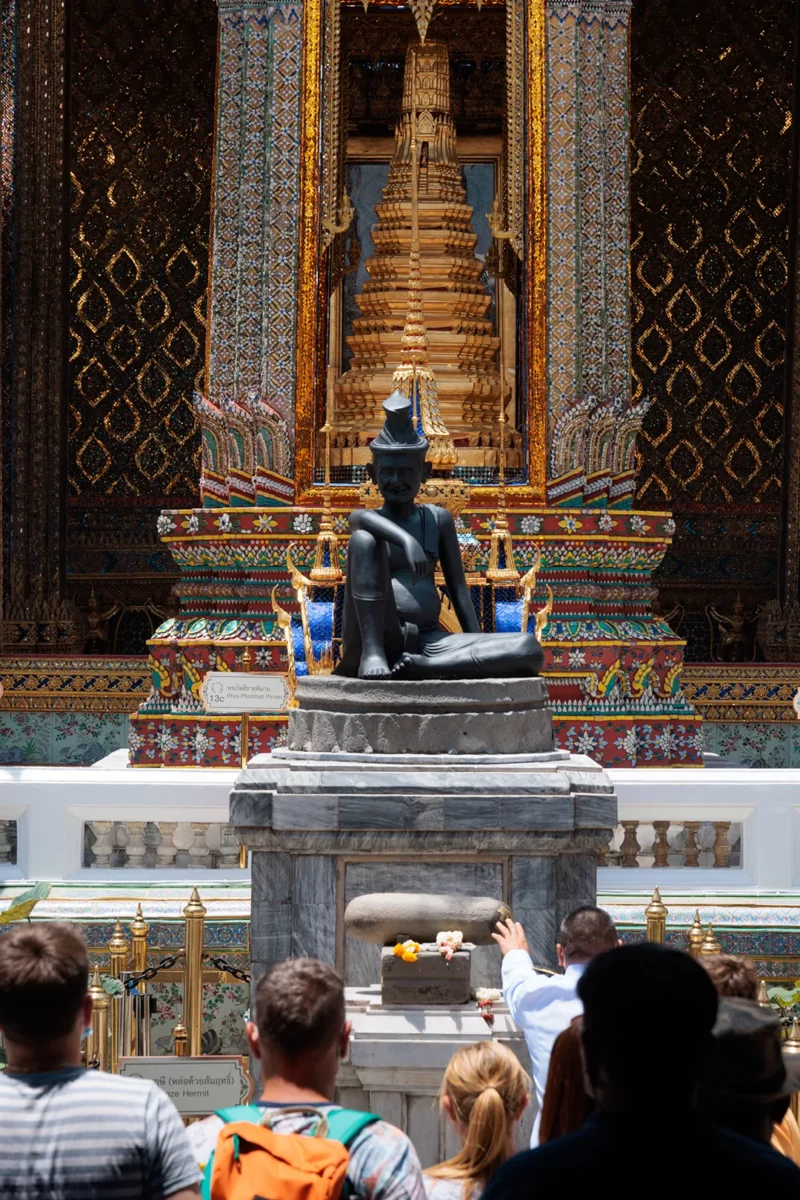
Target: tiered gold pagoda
462,348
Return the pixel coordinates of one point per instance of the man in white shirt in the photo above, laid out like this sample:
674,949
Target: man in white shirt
545,1005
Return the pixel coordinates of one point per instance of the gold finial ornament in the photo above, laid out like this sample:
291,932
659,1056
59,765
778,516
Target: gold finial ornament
656,918
180,1037
762,998
710,945
194,914
696,935
118,950
502,570
327,567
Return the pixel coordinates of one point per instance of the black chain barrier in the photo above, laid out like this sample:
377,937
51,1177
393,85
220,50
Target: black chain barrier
222,964
151,972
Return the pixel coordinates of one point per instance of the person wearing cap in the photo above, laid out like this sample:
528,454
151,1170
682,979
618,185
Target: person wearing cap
392,605
734,976
648,1016
748,1082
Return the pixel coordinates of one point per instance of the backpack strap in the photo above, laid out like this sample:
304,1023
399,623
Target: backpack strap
346,1123
240,1112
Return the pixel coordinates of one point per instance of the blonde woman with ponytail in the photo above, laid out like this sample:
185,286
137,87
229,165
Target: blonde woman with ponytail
484,1093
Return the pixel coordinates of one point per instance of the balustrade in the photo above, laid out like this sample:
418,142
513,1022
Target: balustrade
148,845
661,843
8,841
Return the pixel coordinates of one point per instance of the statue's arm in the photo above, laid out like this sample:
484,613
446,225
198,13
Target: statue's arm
453,571
378,526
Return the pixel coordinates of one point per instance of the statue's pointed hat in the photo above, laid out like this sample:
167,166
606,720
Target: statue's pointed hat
398,436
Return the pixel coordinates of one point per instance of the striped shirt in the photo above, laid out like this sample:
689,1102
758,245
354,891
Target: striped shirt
85,1135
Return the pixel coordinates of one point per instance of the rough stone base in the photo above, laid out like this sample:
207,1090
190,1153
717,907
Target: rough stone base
487,716
429,980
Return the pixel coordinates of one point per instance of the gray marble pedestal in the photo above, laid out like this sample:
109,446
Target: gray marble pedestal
326,825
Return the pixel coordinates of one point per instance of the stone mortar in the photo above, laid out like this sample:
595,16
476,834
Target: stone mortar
382,917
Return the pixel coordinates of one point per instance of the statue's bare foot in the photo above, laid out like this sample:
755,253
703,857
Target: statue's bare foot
373,665
410,666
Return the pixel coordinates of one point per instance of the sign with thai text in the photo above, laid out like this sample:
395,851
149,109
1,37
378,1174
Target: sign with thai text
244,691
196,1086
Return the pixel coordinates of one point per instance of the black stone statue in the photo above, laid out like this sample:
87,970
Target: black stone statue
391,609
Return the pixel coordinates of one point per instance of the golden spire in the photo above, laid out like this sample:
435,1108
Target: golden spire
414,374
710,945
656,917
696,935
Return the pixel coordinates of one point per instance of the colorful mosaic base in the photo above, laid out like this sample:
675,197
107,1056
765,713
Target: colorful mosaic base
743,692
610,665
198,740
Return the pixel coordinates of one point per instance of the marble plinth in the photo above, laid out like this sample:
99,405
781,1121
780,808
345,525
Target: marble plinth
325,828
397,1057
465,716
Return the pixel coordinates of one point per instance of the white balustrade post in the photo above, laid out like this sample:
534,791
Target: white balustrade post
166,847
136,846
199,849
103,847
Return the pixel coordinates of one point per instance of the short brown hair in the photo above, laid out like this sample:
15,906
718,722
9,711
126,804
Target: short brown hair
299,1006
731,975
587,931
44,977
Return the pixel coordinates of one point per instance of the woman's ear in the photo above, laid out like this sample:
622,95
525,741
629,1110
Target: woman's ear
522,1107
447,1105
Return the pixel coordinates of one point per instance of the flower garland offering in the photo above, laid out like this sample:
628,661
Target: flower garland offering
486,998
449,942
408,951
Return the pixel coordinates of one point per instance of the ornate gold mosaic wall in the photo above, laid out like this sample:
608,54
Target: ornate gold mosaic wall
711,130
142,100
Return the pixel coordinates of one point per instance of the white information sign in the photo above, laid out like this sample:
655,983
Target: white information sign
244,691
196,1086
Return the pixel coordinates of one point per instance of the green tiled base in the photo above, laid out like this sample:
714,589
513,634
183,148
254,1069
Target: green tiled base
77,739
766,744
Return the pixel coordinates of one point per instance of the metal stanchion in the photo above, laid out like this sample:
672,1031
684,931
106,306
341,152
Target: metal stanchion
97,1042
194,913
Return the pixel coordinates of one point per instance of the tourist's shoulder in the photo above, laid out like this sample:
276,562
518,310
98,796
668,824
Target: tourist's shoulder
746,1153
448,1189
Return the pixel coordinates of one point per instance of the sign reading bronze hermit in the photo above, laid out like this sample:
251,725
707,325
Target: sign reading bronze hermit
196,1086
244,691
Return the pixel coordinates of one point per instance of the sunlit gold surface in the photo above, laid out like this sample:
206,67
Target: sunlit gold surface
423,309
310,365
194,913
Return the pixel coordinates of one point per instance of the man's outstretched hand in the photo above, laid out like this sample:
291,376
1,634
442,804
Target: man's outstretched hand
510,936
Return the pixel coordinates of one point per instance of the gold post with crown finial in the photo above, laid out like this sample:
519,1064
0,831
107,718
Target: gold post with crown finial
119,953
696,935
139,930
194,914
656,918
710,945
179,1036
97,1041
762,999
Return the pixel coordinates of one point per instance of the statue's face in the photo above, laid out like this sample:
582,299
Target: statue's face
399,476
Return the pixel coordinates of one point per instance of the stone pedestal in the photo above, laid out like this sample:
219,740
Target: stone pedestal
325,825
397,1057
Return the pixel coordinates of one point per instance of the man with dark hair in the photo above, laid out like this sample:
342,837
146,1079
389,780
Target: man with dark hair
735,978
65,1132
648,1016
545,1005
300,1035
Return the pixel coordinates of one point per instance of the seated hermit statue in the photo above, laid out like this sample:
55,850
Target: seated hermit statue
392,606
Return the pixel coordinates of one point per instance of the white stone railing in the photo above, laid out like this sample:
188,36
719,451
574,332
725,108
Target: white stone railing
112,822
147,845
665,844
154,823
742,826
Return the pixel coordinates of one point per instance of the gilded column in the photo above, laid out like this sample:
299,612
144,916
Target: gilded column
248,413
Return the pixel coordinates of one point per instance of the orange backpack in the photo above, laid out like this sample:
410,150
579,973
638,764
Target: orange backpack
252,1162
